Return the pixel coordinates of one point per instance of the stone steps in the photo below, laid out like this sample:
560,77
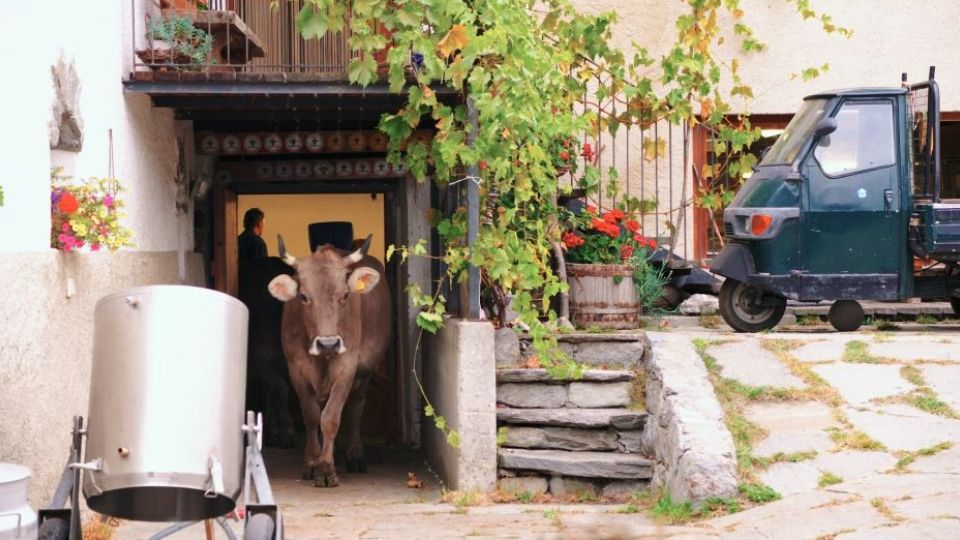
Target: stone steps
622,419
603,465
570,436
541,375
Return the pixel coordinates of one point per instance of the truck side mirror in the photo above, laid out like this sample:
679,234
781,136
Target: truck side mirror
825,127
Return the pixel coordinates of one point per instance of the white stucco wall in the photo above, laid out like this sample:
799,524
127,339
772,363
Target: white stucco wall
46,337
890,36
95,36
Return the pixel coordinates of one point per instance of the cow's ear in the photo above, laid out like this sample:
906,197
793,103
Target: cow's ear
363,280
283,287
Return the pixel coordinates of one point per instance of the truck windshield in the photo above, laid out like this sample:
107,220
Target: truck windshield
797,132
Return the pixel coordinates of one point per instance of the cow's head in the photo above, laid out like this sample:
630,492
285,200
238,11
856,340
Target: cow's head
327,284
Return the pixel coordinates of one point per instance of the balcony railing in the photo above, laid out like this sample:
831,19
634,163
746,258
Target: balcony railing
246,40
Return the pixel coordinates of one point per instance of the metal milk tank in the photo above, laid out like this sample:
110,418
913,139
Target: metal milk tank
166,404
17,520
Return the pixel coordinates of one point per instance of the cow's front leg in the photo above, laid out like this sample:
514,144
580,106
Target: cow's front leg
312,414
329,425
354,413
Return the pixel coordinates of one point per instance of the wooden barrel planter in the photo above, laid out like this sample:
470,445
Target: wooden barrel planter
603,295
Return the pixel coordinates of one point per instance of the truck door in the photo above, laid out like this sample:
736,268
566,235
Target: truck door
851,242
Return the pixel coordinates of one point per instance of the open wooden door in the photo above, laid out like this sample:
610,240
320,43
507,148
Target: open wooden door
225,240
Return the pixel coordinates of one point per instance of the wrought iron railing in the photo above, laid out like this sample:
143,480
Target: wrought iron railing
245,37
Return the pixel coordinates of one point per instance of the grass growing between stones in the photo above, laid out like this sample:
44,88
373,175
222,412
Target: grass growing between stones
827,478
907,458
923,397
880,324
817,388
810,320
880,504
676,513
781,457
709,320
925,318
758,493
854,439
858,352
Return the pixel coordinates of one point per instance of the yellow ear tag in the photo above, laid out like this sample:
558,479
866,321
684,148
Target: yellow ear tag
360,285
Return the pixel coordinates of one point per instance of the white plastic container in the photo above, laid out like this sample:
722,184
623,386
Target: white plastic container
17,520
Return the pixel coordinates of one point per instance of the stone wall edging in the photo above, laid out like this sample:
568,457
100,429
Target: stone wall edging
692,447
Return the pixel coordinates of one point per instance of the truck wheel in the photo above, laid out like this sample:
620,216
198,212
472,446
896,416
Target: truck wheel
747,309
845,315
955,304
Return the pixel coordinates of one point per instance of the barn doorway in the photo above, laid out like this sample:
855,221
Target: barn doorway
381,206
290,215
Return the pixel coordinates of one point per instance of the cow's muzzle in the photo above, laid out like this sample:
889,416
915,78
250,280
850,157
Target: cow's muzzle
327,344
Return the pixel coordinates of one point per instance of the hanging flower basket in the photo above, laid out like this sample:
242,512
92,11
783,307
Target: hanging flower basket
86,213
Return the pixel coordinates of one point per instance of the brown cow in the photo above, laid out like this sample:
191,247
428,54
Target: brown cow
336,331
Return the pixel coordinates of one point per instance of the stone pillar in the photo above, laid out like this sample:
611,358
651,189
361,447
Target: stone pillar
460,380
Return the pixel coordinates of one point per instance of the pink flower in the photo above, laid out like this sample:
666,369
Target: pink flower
108,201
94,247
62,237
65,227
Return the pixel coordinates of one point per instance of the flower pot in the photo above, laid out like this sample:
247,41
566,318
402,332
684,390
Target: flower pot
180,5
603,295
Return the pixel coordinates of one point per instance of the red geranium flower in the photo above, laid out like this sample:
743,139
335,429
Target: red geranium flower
613,216
626,251
632,225
68,203
571,240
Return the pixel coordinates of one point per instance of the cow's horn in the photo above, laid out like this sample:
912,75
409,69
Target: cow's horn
287,258
355,257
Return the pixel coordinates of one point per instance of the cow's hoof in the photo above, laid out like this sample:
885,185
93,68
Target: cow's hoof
308,473
326,480
356,465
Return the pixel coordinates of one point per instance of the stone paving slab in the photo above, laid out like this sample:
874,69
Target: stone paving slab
803,516
791,427
791,478
945,382
859,383
901,427
750,363
933,506
934,529
819,351
854,464
946,461
929,349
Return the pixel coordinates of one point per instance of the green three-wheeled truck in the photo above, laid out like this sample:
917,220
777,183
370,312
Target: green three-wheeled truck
839,208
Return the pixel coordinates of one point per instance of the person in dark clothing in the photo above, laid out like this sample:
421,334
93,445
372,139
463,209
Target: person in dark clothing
250,245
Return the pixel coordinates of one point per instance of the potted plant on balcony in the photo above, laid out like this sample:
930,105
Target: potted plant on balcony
185,5
607,267
175,43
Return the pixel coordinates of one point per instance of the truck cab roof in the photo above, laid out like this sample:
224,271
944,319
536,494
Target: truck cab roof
877,91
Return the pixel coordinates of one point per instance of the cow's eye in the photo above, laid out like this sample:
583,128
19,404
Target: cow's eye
343,299
303,298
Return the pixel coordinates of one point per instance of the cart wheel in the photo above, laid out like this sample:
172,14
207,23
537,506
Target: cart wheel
747,309
259,527
955,304
845,315
54,529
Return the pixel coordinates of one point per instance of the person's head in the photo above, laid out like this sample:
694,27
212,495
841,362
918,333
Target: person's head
253,221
